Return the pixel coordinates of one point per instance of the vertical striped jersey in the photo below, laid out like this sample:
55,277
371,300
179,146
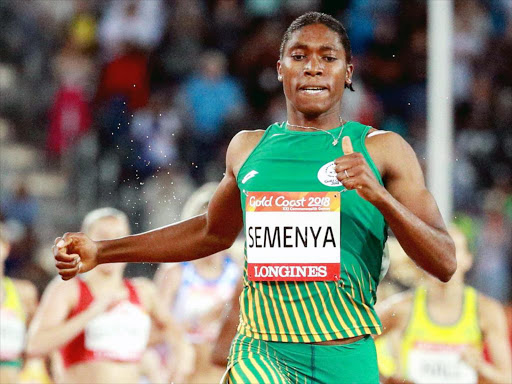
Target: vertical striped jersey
299,163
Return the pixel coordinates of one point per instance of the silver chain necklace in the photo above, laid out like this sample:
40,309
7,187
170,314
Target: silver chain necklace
335,140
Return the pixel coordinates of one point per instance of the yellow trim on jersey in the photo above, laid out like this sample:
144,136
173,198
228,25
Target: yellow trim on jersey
466,331
12,300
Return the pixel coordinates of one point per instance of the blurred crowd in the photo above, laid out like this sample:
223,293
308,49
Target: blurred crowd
135,102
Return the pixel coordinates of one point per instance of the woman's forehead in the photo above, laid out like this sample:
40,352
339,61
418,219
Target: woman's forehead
315,36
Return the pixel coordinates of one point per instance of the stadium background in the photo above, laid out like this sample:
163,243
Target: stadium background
132,104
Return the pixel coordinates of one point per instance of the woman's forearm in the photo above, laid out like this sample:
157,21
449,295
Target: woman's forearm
43,342
431,248
494,374
183,241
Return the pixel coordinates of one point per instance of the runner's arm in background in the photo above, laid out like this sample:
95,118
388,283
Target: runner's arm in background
394,314
228,329
28,295
407,206
493,324
191,239
49,329
183,352
168,280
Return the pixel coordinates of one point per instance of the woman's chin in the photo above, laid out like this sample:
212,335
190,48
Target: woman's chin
312,106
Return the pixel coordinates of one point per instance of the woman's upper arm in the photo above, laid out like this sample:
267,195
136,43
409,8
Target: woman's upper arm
28,295
224,216
394,311
403,176
56,303
493,322
167,281
152,301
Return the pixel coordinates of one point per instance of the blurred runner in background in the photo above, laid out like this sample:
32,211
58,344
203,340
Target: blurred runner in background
101,323
442,330
198,292
18,302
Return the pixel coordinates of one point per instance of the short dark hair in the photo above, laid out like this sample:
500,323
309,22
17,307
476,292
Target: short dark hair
319,18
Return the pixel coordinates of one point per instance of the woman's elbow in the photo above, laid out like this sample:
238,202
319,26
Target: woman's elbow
450,265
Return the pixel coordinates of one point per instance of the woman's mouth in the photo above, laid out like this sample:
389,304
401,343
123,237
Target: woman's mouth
313,90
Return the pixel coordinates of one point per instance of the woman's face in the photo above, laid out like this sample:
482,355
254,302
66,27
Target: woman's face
314,70
105,229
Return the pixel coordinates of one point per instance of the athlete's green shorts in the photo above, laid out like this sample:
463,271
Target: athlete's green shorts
258,361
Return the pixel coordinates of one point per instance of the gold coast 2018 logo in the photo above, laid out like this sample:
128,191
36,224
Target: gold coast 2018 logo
327,175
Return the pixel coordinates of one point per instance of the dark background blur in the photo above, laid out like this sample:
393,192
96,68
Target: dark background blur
132,104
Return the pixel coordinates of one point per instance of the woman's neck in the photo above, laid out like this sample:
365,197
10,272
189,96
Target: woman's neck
105,281
451,291
325,121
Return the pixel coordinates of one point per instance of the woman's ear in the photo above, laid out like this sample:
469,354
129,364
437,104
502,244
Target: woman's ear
279,74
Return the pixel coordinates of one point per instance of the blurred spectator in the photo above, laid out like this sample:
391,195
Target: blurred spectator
382,69
69,118
503,50
20,206
20,211
126,77
131,23
276,111
267,8
155,129
492,268
70,114
228,23
176,56
360,25
165,194
472,27
83,27
255,62
73,68
465,182
211,96
362,105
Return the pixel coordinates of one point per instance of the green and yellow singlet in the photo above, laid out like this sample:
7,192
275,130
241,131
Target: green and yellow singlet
432,352
296,214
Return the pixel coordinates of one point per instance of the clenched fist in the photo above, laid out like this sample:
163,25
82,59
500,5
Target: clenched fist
353,171
74,253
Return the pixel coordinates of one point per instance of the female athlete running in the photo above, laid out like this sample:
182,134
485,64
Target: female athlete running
101,323
315,195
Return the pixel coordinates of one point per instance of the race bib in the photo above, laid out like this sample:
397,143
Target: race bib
12,335
293,236
119,334
439,364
